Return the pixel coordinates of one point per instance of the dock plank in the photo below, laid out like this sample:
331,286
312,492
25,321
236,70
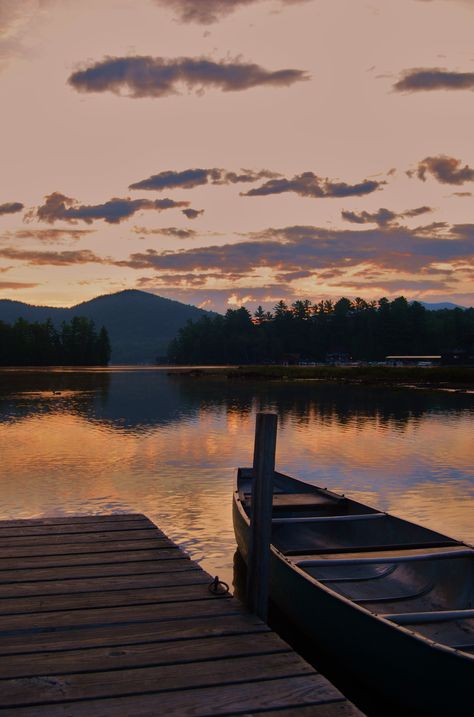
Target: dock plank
78,586
18,575
172,651
204,702
110,599
120,682
93,558
77,519
87,638
106,617
27,551
105,536
74,528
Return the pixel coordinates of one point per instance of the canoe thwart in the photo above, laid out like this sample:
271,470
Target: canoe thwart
329,518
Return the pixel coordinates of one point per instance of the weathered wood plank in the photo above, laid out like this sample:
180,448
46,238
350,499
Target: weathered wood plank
117,615
93,685
77,519
103,584
112,598
330,709
30,551
80,538
69,572
89,559
225,645
106,636
73,529
220,700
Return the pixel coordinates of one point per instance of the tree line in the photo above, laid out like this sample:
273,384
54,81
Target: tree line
360,330
74,343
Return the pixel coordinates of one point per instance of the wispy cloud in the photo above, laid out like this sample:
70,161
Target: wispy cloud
206,12
16,18
53,258
391,286
168,232
58,207
190,178
435,78
17,285
447,170
383,216
145,76
11,208
309,184
48,236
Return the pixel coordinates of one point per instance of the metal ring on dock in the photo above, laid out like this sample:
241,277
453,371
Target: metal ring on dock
218,587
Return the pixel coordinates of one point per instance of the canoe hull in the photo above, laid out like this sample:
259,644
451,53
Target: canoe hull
413,673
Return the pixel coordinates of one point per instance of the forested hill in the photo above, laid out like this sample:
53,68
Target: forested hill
360,330
140,325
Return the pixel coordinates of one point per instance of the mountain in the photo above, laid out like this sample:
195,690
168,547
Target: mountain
442,305
140,324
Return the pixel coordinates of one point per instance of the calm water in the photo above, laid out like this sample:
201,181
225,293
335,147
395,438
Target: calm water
168,446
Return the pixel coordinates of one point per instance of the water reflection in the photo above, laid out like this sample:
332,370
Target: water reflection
91,441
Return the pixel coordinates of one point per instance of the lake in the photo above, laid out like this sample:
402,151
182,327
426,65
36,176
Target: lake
137,439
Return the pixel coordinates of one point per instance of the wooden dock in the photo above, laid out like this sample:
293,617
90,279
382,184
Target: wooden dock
106,617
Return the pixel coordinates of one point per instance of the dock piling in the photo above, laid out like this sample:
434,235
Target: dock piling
261,519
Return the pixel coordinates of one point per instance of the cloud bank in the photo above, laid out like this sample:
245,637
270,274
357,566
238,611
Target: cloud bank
11,208
426,79
145,76
58,207
190,178
309,248
206,12
309,184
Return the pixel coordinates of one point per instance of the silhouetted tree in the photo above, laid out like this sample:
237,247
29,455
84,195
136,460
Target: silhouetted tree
365,330
41,344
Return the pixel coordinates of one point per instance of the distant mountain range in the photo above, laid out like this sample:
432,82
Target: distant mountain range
442,305
140,324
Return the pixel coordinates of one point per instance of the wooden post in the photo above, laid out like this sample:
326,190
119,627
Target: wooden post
261,519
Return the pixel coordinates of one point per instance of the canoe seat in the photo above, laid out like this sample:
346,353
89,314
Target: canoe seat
300,501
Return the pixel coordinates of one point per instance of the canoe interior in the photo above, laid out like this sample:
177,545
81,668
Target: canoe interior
391,567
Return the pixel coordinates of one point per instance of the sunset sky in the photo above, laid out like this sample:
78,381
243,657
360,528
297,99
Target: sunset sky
222,152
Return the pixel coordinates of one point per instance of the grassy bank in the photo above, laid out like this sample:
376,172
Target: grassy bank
456,377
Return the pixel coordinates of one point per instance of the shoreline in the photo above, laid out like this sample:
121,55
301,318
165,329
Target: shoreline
448,378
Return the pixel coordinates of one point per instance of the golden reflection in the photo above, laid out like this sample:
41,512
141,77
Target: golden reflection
170,450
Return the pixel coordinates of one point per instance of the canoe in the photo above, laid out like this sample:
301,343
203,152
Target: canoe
391,601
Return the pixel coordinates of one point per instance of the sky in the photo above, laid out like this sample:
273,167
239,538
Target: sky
229,152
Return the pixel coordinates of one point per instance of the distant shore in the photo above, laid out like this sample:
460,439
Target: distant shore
456,378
